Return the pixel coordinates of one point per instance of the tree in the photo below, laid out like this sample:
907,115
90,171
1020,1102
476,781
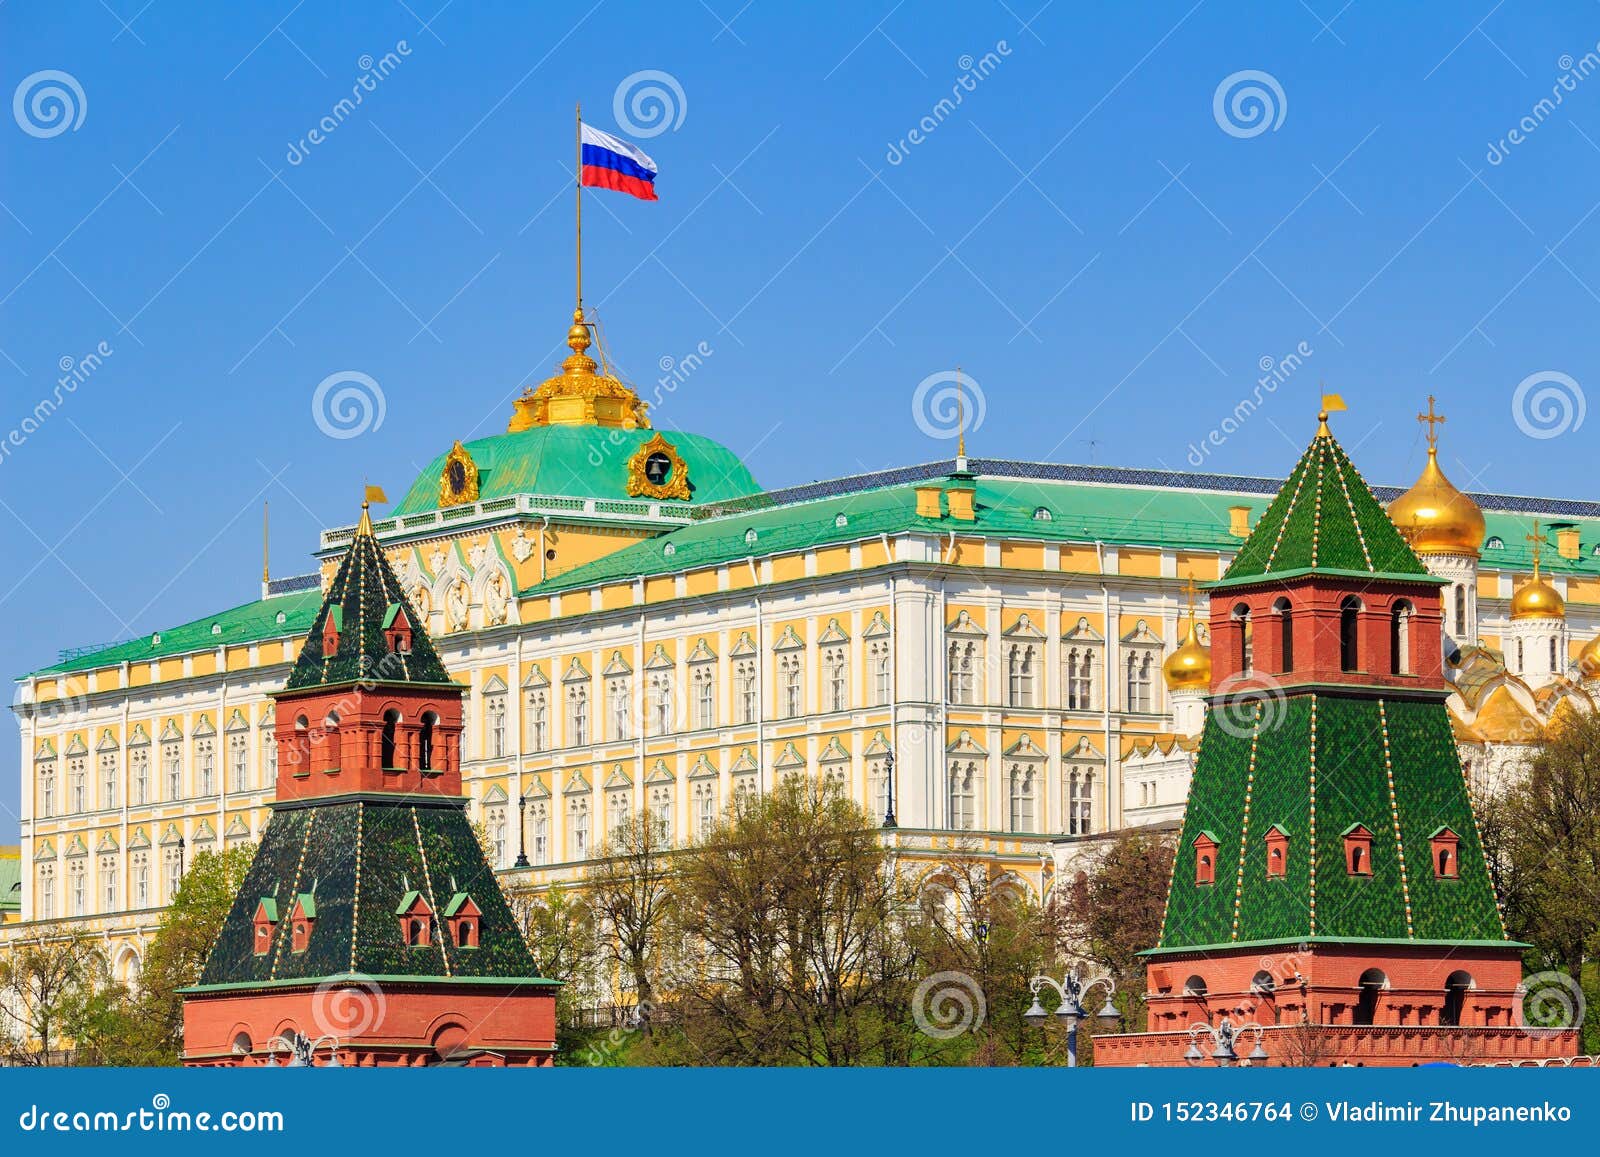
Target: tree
560,930
47,988
1113,911
794,945
628,890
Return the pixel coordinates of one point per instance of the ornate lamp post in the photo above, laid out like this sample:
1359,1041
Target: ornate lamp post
1071,989
302,1051
1224,1038
522,831
888,772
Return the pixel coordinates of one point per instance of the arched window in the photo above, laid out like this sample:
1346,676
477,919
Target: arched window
1461,610
1400,638
1554,663
1247,656
1349,633
1285,634
391,720
1456,987
1195,987
1372,983
425,741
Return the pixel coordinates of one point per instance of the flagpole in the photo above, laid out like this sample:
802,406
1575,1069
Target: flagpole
578,178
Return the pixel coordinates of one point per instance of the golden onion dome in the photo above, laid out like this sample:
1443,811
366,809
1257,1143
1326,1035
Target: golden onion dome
580,395
1589,660
1189,667
1537,599
1435,517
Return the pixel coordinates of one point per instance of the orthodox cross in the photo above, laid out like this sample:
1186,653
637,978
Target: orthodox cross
1538,540
1433,419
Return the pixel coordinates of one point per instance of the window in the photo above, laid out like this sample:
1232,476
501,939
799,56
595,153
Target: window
1461,610
1349,634
172,770
1205,860
963,671
838,678
388,756
1247,640
1358,850
1456,987
269,757
618,810
1443,845
963,796
1277,852
108,884
577,716
77,787
47,790
704,678
1285,614
619,717
206,760
47,891
173,865
141,879
878,661
1080,679
705,809
878,777
77,895
1372,984
791,674
541,833
536,721
1400,638
661,703
108,780
497,834
1019,797
238,762
1141,671
139,758
1554,663
425,741
1080,802
494,725
1020,658
661,811
744,680
580,829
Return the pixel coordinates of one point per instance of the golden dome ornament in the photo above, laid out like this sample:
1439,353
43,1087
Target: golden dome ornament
583,394
1588,662
1434,516
1188,667
1537,599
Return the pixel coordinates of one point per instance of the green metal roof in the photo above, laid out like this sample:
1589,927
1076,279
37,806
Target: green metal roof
581,461
251,623
1324,519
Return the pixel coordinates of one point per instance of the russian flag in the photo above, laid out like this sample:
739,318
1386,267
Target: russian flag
612,163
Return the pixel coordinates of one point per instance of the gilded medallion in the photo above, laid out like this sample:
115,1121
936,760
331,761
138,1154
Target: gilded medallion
657,470
458,483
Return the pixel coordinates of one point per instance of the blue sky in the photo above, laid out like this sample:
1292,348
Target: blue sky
1108,256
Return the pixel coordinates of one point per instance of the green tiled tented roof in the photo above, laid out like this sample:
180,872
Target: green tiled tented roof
1325,518
251,623
359,599
1257,769
583,462
357,856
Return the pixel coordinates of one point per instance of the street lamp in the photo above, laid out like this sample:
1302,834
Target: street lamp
522,831
888,772
1071,989
1224,1039
302,1051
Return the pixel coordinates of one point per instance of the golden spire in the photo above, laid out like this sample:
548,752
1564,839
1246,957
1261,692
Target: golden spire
364,527
1188,667
1537,599
266,549
961,418
1433,515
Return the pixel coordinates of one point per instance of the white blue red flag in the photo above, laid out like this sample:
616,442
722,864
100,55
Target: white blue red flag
612,163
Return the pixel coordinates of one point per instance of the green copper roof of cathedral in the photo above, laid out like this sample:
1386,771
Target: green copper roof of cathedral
359,601
582,462
1315,765
1324,519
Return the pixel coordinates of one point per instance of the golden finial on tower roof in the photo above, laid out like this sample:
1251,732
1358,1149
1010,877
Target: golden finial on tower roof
1433,515
1190,665
1331,404
1537,599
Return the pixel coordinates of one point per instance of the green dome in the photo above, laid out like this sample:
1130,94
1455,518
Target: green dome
582,462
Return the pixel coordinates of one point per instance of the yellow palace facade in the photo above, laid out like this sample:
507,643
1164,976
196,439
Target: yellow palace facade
996,651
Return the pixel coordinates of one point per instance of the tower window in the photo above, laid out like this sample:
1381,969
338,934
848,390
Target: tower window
1400,638
1205,858
1349,634
1285,635
1358,850
1241,615
1443,845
